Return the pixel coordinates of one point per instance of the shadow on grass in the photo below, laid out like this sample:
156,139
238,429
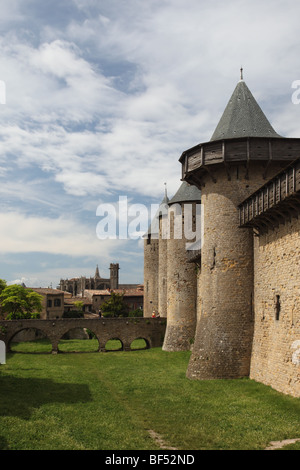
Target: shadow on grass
20,396
3,443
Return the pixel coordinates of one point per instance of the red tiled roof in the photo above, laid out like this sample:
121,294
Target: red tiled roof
45,290
126,293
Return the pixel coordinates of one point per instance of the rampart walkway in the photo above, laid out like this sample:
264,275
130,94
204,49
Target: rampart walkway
124,329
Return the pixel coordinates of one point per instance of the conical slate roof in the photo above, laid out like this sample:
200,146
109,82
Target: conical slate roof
186,193
243,117
154,225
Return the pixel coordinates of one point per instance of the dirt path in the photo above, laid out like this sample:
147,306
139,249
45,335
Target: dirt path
274,445
279,444
159,441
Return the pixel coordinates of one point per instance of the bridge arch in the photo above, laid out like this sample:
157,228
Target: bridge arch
139,344
114,344
27,334
69,341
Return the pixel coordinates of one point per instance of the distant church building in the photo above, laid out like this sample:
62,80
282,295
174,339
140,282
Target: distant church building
234,301
77,286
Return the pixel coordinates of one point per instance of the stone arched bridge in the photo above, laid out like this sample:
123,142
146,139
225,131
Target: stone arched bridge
152,330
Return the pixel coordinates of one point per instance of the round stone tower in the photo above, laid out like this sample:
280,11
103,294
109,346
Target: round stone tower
162,257
243,151
181,275
151,264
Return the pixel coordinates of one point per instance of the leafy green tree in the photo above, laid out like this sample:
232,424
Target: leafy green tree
136,313
115,306
2,285
17,302
79,305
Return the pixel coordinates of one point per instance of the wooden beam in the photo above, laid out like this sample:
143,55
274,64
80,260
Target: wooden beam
227,167
194,179
269,160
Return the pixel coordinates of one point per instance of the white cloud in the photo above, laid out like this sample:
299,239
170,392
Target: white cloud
65,236
31,281
60,58
103,101
83,182
11,12
185,71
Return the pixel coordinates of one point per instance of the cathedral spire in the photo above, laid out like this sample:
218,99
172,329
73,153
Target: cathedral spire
97,274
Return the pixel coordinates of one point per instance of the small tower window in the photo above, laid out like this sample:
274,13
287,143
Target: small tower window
277,308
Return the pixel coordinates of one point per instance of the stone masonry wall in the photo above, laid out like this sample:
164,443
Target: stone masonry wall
276,345
162,273
181,293
151,275
224,331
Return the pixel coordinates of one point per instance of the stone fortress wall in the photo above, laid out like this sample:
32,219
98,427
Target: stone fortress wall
243,290
275,356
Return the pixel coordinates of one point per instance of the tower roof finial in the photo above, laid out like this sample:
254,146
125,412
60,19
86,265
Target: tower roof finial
243,117
165,198
242,78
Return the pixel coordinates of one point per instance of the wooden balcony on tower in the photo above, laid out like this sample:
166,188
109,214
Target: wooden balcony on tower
275,202
200,160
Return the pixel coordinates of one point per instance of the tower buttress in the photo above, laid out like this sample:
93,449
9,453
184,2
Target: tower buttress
243,150
181,275
162,256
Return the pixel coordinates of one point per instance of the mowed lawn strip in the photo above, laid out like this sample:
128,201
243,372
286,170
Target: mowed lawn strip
110,401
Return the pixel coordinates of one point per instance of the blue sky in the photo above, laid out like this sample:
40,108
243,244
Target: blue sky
103,96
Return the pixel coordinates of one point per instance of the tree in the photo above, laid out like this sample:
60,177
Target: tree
115,306
18,302
136,313
79,305
2,285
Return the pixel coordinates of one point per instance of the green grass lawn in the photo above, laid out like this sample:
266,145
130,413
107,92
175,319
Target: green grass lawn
72,345
110,401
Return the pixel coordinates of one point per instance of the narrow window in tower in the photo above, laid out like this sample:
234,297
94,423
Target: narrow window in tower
214,259
277,307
